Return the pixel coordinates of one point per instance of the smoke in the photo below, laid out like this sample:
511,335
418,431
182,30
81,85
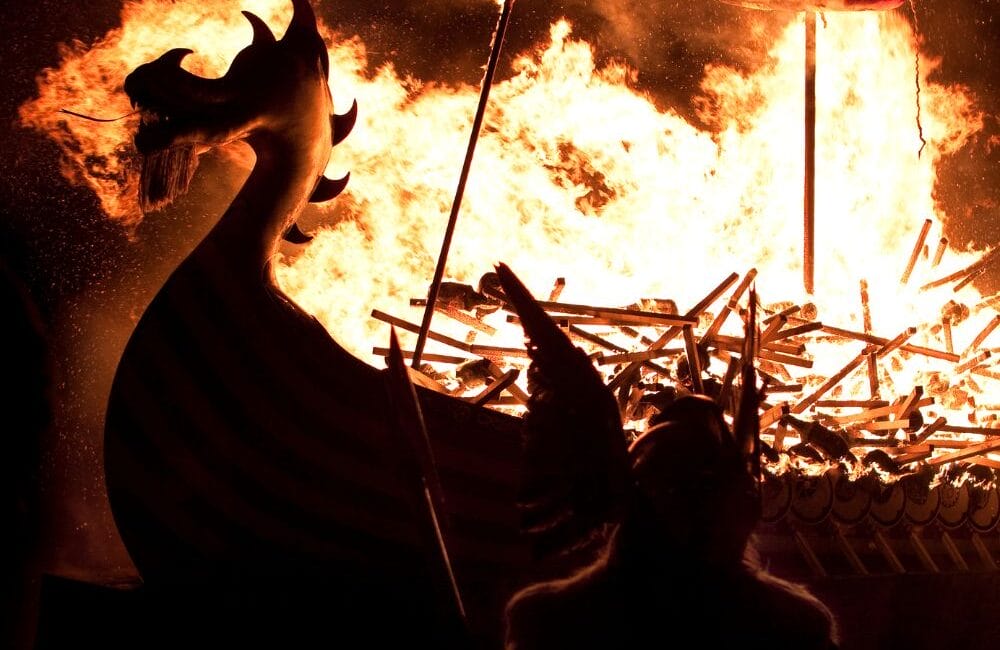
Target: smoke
964,38
709,31
671,43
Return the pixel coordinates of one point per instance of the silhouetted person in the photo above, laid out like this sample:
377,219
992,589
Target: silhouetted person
26,408
679,566
670,517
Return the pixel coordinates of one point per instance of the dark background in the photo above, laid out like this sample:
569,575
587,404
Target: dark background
89,278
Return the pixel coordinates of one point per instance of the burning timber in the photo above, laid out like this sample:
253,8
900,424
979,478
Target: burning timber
841,450
191,402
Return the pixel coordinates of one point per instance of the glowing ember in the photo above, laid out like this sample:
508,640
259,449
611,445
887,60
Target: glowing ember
579,176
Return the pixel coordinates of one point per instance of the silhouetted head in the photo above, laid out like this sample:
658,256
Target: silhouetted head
273,88
693,487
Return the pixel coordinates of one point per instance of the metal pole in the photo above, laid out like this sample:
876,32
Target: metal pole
809,202
477,124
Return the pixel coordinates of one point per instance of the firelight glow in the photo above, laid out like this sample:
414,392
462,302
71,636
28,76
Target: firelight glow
578,175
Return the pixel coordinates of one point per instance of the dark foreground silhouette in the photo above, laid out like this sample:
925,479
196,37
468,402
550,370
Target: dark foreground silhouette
677,568
251,461
666,521
25,402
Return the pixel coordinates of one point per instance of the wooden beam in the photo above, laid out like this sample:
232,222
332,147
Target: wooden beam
917,247
835,379
968,452
629,372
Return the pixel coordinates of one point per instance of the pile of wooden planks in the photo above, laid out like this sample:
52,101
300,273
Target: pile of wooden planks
649,352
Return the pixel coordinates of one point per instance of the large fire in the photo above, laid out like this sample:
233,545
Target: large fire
577,175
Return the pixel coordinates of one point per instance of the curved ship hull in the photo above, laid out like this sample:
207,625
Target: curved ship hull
242,443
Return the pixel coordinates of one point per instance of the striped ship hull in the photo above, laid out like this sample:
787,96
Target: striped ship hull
243,443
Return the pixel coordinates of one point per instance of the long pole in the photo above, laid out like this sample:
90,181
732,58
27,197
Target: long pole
477,125
809,202
420,463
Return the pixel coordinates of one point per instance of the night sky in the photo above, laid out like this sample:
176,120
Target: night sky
89,277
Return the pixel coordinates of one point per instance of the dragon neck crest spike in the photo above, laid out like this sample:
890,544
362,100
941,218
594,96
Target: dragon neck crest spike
262,34
303,25
175,56
327,188
294,235
342,125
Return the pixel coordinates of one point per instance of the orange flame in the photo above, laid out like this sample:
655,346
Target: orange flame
579,175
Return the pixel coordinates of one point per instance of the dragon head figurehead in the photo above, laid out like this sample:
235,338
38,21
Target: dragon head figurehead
274,95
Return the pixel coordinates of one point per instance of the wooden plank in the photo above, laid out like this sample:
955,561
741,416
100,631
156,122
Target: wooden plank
878,340
913,454
985,462
962,273
730,306
629,372
983,431
411,327
928,431
912,402
866,312
498,352
557,289
727,383
872,414
849,403
782,388
949,344
883,425
787,312
498,373
832,381
638,355
467,320
607,345
773,414
786,359
438,358
982,336
694,360
939,253
735,344
494,389
629,316
986,372
874,388
974,361
420,378
917,247
798,330
968,452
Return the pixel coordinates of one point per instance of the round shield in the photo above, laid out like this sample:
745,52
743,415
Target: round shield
922,503
776,497
851,501
984,508
888,505
812,498
954,506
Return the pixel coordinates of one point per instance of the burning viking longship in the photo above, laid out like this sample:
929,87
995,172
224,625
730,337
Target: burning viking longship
243,445
243,442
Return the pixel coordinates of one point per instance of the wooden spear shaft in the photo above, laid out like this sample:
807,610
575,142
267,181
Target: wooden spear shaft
456,205
419,463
